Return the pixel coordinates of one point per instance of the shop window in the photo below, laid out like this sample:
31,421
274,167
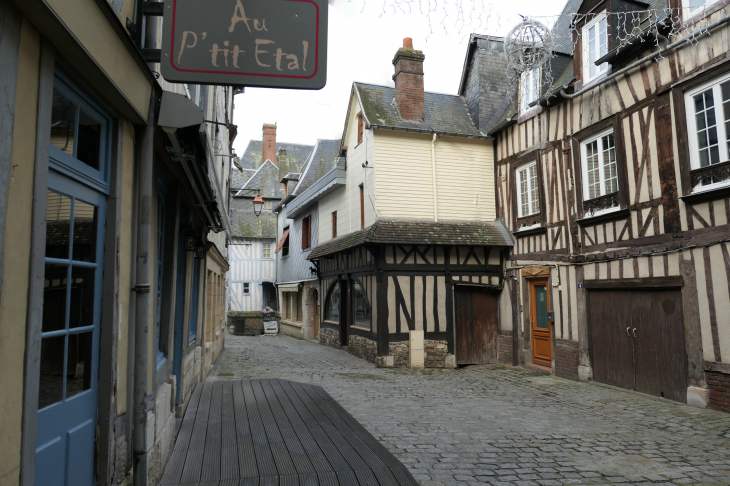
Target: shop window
332,305
362,311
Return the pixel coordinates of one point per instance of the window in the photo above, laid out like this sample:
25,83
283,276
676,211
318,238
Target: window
266,250
595,46
283,243
246,288
527,190
362,207
334,224
693,7
529,88
708,125
361,304
360,126
306,232
600,168
332,307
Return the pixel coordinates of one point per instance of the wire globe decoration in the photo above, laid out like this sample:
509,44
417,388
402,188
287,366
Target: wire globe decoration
529,45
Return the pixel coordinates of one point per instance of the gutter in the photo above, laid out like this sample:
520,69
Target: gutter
430,131
693,37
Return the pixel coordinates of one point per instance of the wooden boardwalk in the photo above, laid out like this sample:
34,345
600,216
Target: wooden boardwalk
275,433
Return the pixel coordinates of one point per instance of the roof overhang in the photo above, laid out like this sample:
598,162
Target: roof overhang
332,180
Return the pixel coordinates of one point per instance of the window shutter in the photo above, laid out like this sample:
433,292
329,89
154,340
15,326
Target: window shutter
360,122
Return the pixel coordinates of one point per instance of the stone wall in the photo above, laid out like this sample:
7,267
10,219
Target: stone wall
399,352
363,348
504,347
329,337
719,386
566,359
436,352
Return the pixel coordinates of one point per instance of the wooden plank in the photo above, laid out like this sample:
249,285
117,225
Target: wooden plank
186,427
327,479
211,470
314,425
193,466
246,455
293,445
197,440
284,464
314,453
264,456
647,282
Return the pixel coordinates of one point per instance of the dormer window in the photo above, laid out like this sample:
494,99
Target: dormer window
529,88
595,46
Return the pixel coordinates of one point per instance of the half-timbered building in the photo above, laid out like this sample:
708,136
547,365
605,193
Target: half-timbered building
614,182
408,275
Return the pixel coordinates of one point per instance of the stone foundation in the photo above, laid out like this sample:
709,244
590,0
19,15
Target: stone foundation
436,352
400,353
719,386
329,337
362,348
566,359
504,348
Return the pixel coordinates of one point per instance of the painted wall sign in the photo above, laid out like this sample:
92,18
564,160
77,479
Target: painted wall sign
266,43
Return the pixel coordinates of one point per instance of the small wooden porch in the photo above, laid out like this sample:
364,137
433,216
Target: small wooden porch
275,432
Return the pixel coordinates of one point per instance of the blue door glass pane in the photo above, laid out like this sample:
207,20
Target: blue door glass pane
541,306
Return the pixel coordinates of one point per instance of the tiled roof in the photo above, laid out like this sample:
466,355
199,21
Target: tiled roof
296,153
444,113
323,159
414,232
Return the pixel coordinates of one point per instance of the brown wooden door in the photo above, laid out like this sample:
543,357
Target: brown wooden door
476,325
659,345
637,341
612,344
539,307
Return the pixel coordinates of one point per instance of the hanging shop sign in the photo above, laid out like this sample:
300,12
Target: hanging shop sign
265,43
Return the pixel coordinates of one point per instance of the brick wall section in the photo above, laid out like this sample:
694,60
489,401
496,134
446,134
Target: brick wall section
566,359
504,348
436,352
329,337
408,79
363,348
268,148
719,386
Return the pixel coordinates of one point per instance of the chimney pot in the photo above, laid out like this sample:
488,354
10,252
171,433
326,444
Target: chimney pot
408,43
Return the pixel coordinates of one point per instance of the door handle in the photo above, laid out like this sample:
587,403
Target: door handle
634,332
627,331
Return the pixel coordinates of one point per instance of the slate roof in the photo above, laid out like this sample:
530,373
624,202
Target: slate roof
296,153
322,160
240,177
245,224
414,232
444,113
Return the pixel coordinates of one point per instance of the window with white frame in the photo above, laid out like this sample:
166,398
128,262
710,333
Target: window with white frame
266,250
246,288
708,126
595,46
600,169
529,88
693,7
527,190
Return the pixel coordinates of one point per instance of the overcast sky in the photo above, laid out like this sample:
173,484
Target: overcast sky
362,41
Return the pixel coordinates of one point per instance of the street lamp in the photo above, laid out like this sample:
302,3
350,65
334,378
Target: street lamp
199,251
258,205
190,238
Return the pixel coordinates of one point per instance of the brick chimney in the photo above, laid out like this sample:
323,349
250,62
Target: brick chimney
268,146
408,79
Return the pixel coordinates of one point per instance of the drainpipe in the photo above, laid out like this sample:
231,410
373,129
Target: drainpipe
692,37
433,174
142,300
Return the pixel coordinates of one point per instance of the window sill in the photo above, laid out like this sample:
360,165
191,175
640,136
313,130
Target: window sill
292,323
334,323
532,230
607,216
360,328
707,194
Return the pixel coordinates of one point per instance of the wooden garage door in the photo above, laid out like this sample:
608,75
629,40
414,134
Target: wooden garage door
476,325
637,341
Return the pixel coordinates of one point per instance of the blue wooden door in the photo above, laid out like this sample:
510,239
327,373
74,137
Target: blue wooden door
67,401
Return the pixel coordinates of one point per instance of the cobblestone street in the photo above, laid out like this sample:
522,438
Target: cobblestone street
501,425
